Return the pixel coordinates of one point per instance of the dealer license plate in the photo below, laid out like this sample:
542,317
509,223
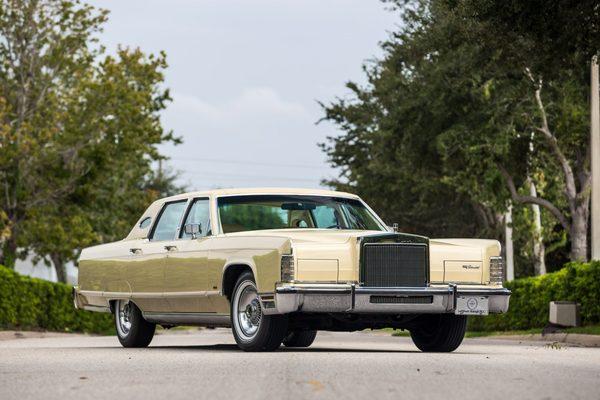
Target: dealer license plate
472,305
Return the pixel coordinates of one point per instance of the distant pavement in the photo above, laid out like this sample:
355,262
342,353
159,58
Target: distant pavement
206,364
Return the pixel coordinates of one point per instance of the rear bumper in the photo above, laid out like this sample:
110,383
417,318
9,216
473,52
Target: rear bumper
89,300
356,299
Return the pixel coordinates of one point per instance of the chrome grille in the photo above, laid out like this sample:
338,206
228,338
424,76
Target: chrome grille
394,265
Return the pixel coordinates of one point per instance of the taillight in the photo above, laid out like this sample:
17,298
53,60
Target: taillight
496,270
287,268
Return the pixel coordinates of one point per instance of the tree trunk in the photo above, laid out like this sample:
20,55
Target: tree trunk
579,229
539,250
578,200
9,253
59,267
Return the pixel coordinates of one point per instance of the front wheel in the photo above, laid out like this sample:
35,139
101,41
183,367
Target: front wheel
252,330
439,332
132,329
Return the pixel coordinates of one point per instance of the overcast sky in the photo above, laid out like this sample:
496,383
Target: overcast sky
245,78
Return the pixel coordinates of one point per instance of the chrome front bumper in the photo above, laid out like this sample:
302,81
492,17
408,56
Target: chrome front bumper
357,299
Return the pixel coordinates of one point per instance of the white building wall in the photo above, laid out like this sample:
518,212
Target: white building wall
42,271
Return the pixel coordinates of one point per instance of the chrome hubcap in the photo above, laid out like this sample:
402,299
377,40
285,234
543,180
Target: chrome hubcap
247,310
124,317
252,312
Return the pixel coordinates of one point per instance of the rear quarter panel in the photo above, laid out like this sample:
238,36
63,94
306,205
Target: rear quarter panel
103,269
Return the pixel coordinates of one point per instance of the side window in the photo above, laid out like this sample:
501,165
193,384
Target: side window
199,214
168,222
145,222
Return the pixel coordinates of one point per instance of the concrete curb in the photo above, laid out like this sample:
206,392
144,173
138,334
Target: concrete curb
574,339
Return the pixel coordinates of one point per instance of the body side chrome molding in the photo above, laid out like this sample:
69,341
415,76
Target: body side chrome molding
146,295
204,319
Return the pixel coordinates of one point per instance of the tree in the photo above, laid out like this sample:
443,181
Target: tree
451,123
391,151
79,130
553,43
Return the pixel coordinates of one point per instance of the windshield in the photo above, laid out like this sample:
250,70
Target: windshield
250,213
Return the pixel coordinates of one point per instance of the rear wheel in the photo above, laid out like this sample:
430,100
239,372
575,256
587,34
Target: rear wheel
132,329
252,330
439,332
299,338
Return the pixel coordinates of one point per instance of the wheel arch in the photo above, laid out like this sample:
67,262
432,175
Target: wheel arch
112,304
231,273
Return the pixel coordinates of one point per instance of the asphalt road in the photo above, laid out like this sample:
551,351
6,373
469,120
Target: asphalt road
206,364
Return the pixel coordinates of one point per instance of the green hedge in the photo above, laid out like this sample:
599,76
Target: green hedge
30,303
528,309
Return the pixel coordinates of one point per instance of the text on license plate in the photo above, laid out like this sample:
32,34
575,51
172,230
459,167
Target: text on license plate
472,305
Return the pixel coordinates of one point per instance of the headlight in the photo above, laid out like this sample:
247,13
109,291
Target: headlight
496,270
287,268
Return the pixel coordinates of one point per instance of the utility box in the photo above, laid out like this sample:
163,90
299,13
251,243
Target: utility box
564,313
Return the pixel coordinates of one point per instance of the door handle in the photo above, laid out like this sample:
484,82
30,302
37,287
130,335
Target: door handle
171,247
135,250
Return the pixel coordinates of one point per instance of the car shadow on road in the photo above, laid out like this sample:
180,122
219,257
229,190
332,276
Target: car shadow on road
232,348
235,348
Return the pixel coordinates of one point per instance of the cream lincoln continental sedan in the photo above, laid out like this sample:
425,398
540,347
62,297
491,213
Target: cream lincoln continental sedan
277,265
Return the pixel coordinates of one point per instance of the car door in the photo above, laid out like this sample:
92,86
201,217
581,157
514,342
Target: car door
146,270
186,280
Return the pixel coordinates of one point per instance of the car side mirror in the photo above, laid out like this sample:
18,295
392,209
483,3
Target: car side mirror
192,229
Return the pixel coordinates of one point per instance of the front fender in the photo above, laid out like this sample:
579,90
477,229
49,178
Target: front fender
262,254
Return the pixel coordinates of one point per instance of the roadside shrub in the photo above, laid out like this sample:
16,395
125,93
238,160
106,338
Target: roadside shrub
30,303
530,298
